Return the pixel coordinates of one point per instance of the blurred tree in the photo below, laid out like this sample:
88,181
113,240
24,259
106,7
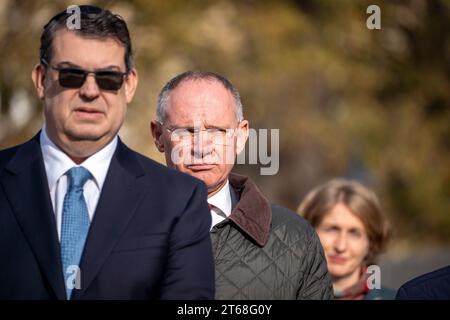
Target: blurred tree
367,104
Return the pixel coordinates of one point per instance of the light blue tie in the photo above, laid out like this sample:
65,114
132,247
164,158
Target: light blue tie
74,227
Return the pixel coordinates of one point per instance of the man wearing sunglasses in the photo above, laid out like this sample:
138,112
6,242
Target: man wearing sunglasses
81,215
262,251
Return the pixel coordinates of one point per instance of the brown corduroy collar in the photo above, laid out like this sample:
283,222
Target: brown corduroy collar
253,213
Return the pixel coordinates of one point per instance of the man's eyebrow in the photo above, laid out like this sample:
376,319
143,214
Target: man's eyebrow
110,67
67,63
74,65
191,126
174,125
216,127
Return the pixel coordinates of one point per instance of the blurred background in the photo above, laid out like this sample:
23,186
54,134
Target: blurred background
372,105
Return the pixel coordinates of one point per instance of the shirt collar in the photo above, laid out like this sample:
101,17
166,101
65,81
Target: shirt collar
57,163
222,199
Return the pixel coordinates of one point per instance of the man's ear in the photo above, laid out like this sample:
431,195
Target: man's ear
38,77
242,136
157,132
131,82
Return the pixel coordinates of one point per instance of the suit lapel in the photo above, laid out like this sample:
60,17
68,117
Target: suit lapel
118,201
25,184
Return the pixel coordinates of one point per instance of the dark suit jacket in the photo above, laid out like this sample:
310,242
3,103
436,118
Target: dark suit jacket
431,286
149,238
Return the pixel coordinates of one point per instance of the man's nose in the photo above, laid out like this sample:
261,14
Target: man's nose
202,141
89,90
202,144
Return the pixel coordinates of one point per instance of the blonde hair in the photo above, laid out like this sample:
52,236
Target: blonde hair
361,201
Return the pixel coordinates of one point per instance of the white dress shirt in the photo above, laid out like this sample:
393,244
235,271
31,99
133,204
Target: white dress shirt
57,163
221,200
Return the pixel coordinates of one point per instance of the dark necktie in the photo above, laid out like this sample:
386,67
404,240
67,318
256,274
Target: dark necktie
217,210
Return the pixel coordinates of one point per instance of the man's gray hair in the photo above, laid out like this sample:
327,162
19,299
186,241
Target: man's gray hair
163,96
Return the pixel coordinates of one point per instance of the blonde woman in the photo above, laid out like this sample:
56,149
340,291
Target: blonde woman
353,231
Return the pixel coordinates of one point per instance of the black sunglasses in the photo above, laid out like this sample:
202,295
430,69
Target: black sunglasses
74,78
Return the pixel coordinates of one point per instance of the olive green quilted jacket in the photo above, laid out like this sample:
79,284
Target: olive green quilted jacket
265,251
